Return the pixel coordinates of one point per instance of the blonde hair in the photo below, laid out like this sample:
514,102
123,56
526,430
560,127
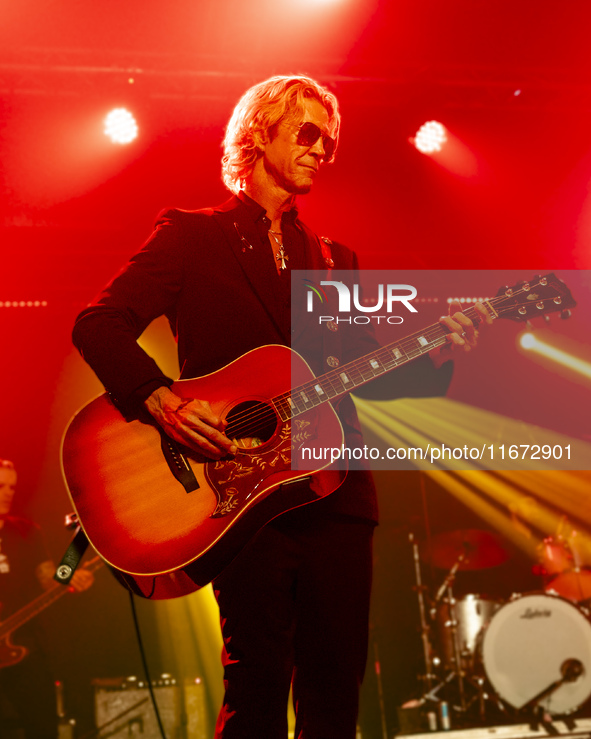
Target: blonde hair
260,110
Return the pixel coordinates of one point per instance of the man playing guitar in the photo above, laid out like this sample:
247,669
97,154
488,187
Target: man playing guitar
294,603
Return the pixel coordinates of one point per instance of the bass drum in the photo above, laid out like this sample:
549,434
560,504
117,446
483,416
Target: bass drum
531,643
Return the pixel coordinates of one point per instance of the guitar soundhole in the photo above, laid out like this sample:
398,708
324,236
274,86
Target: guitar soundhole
251,423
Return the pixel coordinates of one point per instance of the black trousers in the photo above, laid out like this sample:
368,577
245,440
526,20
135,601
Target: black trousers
294,609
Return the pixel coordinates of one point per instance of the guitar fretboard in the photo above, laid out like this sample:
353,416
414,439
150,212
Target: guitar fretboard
40,603
342,380
520,303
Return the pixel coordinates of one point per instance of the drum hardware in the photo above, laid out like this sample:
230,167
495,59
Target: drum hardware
453,621
461,686
430,694
451,575
527,657
457,658
459,621
528,666
462,621
571,670
456,674
419,588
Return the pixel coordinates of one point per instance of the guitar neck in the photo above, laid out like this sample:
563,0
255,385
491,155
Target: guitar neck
31,609
40,603
352,375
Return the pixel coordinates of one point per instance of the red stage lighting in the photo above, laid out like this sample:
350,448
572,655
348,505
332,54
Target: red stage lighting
120,126
430,137
23,303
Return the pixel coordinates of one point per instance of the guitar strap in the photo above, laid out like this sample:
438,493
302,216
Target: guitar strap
325,248
323,242
332,345
71,559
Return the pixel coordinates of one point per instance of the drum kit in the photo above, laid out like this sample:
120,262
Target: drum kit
527,657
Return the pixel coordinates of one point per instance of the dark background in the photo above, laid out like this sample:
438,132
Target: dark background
510,80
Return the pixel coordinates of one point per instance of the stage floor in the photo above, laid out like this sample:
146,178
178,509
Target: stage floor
580,728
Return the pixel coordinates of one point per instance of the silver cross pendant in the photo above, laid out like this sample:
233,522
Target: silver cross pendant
282,258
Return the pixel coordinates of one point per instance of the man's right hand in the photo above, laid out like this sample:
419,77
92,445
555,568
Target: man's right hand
190,422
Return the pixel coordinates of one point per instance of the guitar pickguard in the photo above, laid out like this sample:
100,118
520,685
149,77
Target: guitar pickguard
235,481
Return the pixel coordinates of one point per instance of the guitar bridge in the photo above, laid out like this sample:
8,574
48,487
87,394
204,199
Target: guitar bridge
178,464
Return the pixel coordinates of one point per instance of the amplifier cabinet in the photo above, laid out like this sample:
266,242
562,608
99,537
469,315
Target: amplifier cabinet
123,709
195,710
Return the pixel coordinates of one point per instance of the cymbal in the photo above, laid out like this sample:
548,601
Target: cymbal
482,549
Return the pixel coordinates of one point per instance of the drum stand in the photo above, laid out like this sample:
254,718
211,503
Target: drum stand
457,673
457,657
571,670
429,677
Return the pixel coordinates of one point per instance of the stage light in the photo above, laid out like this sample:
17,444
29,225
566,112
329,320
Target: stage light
121,126
23,303
466,300
527,341
532,343
430,137
418,428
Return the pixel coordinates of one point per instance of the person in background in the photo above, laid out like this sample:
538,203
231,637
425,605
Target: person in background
27,689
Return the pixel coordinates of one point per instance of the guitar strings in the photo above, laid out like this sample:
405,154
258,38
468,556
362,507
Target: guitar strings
432,333
262,415
258,417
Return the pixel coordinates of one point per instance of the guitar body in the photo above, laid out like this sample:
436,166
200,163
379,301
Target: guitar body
165,535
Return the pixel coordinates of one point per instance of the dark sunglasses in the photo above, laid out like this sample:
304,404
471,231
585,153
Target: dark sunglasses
308,135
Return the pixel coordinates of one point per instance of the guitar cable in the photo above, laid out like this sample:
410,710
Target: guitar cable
140,642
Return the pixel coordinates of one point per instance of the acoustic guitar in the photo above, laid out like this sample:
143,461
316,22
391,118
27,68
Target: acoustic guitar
167,520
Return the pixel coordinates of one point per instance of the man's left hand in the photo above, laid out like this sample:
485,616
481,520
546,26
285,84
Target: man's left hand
81,580
463,331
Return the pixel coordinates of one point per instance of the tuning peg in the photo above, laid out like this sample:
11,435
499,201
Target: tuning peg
547,318
564,314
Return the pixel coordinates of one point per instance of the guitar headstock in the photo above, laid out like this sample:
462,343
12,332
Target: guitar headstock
538,297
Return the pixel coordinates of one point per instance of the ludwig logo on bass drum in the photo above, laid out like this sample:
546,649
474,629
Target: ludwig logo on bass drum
536,613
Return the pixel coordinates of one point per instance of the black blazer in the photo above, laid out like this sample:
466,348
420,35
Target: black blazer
209,272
